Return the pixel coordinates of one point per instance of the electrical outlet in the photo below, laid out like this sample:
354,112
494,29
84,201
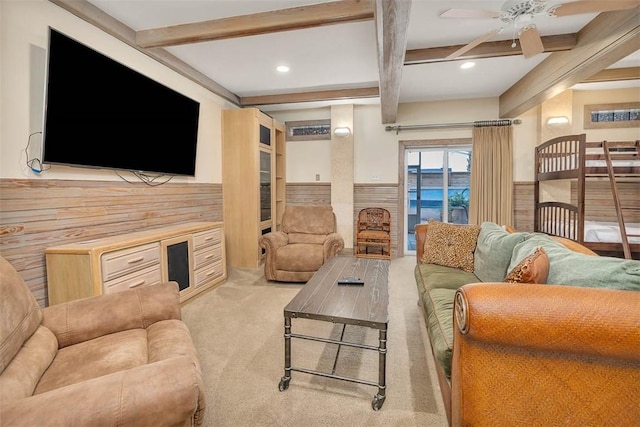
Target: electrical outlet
317,177
375,178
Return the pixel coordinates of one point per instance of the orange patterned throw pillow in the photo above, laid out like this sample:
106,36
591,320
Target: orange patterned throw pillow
532,269
451,245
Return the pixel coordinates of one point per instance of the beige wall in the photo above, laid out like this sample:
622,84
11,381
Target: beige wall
376,150
23,31
571,104
318,152
24,38
583,97
342,172
525,139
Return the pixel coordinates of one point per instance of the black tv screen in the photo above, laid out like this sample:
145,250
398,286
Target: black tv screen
102,114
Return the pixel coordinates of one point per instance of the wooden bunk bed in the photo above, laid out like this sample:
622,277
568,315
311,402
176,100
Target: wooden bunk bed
571,157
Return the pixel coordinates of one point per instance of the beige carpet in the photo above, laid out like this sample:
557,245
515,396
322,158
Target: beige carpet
238,332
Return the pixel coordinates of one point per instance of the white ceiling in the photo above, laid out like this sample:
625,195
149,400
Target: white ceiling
345,55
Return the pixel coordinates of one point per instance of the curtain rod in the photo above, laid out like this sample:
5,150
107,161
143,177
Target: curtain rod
478,123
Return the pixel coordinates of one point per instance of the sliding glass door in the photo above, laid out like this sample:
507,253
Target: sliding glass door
438,187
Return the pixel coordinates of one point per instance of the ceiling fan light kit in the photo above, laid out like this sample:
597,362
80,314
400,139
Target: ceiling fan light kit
515,10
520,14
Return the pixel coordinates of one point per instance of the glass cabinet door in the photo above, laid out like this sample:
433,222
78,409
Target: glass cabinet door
265,135
265,185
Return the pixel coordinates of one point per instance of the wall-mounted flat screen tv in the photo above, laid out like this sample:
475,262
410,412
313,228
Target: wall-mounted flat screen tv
101,114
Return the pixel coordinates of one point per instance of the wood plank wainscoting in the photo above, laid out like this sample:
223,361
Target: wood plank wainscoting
309,193
36,214
599,205
598,202
523,206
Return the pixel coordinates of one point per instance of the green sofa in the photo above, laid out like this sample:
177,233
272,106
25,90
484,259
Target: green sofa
498,252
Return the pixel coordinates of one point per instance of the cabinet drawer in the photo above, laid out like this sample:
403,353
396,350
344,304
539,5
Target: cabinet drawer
125,261
148,276
206,238
208,273
207,255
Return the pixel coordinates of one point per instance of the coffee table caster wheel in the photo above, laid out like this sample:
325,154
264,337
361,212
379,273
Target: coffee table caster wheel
377,402
284,384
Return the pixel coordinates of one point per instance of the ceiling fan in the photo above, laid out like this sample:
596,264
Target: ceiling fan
520,14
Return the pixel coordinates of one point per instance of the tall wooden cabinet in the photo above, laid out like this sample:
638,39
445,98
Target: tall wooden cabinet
253,182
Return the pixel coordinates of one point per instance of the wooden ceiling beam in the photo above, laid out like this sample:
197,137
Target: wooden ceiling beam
608,38
392,23
487,50
608,75
614,35
614,75
293,18
324,95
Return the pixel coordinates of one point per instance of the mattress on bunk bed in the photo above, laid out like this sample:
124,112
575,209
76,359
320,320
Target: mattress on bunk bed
598,231
609,232
571,162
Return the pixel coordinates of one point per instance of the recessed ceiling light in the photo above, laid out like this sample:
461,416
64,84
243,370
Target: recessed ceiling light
467,65
282,69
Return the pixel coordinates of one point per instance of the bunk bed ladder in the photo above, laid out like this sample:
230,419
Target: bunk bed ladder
616,201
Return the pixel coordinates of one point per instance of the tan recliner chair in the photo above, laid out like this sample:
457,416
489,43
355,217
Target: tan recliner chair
121,359
306,241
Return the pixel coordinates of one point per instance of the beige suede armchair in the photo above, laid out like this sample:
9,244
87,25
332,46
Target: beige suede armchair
307,239
122,359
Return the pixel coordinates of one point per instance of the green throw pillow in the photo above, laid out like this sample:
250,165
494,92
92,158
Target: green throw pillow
493,252
571,268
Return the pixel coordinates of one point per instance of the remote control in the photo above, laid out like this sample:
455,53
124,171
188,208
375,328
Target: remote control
350,281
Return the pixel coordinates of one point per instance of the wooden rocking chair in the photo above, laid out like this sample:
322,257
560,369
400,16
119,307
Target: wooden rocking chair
373,236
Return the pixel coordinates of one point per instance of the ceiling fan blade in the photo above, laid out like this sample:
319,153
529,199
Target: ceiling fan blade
591,6
464,49
469,13
531,42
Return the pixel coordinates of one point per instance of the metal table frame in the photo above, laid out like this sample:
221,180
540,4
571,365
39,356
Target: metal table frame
380,396
378,399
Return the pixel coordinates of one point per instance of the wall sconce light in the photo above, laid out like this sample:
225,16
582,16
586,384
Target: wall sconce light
342,132
558,121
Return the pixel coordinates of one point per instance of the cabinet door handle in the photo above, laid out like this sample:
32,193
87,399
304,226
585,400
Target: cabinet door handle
206,239
135,260
209,256
136,284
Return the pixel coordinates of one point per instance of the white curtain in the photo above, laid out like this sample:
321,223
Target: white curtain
492,175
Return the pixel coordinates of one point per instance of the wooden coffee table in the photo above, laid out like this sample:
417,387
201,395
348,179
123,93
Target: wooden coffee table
322,298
